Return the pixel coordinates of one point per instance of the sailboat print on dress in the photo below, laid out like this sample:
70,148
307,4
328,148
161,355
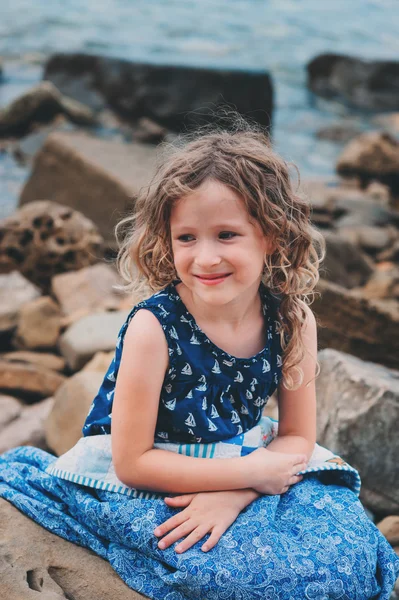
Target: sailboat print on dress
173,333
279,361
111,377
253,384
249,395
259,401
190,394
195,340
244,410
110,395
164,312
168,388
178,350
190,421
171,404
214,412
228,363
234,417
202,387
266,366
239,378
183,319
216,368
187,370
204,403
211,426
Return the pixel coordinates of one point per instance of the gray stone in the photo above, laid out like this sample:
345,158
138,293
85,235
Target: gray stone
39,324
358,414
15,291
344,264
33,560
91,334
28,428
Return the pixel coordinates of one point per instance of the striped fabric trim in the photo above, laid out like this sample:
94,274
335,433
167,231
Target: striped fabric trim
331,467
197,450
103,485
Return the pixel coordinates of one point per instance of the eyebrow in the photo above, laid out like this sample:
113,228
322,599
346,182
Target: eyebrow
225,226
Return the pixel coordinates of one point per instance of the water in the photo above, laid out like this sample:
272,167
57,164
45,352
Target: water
278,35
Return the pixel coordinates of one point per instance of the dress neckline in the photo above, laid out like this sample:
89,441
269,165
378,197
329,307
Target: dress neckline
217,351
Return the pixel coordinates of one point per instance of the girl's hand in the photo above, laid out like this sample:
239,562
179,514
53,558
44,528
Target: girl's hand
205,512
273,473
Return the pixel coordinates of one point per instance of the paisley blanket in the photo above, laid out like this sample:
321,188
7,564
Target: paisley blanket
314,542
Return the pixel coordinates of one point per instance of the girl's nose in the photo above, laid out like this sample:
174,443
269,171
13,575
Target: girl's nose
207,255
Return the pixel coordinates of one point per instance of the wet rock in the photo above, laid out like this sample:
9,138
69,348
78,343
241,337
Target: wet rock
389,527
365,84
89,289
358,406
39,324
28,381
28,428
44,238
10,409
352,323
57,569
173,96
15,291
42,359
72,401
40,105
344,264
91,334
372,156
98,177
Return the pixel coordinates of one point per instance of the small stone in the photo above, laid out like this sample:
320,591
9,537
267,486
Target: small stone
39,324
42,359
28,428
10,409
15,291
28,381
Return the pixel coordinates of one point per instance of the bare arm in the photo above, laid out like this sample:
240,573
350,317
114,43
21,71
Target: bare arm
139,382
297,408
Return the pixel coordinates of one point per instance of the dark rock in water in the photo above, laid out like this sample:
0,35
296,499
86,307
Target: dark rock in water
365,84
176,97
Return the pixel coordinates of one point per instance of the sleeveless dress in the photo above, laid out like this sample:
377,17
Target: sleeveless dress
315,542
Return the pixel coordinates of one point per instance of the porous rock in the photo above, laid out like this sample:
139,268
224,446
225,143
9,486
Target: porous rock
91,334
27,429
63,427
372,156
39,324
15,291
34,561
101,178
40,105
44,238
28,381
353,323
358,409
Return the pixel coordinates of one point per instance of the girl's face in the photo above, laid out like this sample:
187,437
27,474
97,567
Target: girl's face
218,253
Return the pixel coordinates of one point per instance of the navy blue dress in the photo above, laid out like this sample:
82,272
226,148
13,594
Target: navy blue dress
314,542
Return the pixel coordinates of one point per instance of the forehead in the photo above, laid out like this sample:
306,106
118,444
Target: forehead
212,202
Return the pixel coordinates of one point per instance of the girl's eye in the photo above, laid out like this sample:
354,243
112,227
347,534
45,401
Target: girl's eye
187,237
227,235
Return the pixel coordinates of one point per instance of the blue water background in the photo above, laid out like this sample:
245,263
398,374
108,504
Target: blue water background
280,36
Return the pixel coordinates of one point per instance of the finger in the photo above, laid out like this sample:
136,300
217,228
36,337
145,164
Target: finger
300,458
171,523
215,536
294,479
298,468
197,534
183,530
285,489
180,500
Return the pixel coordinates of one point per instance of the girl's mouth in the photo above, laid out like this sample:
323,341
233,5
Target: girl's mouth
212,279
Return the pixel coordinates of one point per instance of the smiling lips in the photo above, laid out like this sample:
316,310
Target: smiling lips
212,279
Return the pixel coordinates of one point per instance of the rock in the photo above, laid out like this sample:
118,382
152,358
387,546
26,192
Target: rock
148,132
352,323
94,333
391,254
15,291
372,156
89,289
56,569
42,359
28,428
389,122
40,105
358,407
100,362
384,283
39,324
98,177
45,238
344,264
176,97
28,381
339,132
63,427
389,527
365,84
10,409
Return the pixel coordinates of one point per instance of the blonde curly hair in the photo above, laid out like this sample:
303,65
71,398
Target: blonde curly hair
243,160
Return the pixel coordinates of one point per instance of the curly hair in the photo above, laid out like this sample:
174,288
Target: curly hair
242,159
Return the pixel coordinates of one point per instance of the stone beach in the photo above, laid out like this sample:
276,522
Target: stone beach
60,311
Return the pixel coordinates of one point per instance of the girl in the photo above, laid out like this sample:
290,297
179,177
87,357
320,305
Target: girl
228,249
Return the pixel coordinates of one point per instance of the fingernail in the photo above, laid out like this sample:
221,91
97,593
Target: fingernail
204,548
178,549
157,532
161,545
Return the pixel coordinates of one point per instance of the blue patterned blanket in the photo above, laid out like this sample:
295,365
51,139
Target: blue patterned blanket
314,542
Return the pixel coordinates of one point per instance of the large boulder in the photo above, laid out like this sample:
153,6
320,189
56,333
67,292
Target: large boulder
45,238
28,381
33,560
353,323
358,415
40,105
173,96
371,156
365,84
98,177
